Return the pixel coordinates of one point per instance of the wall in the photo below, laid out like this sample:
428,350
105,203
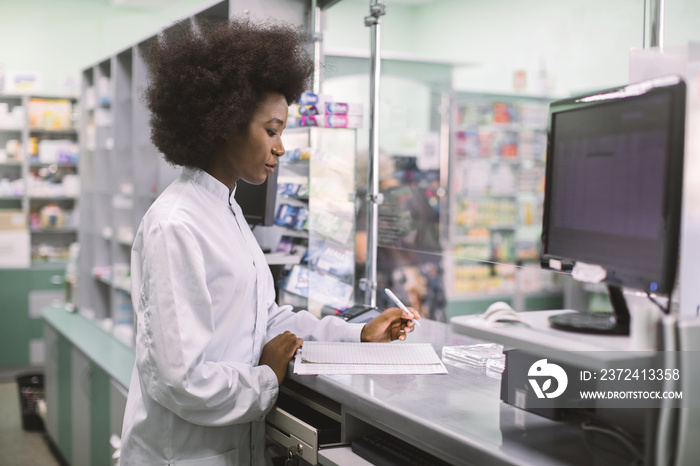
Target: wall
583,44
58,39
580,44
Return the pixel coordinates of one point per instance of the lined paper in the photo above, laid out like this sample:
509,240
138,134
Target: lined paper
319,357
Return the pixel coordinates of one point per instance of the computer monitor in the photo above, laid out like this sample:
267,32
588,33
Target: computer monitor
258,201
613,188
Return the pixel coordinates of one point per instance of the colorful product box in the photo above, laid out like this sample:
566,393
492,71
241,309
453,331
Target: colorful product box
331,121
328,108
309,98
300,154
293,217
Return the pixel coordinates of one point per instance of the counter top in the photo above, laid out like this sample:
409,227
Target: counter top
110,355
459,416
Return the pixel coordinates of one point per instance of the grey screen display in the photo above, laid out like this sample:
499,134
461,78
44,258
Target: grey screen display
608,175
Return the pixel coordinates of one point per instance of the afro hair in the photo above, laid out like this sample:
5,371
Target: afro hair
207,78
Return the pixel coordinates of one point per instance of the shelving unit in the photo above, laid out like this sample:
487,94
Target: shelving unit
319,164
38,217
115,196
12,166
496,186
39,173
122,173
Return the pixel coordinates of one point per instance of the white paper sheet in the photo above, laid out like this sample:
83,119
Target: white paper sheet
317,357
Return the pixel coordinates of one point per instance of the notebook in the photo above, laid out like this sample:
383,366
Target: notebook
319,357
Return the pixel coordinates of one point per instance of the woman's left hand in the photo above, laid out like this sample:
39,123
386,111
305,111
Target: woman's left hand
391,324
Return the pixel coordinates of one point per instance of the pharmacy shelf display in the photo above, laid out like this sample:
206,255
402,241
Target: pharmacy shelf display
496,186
315,218
123,173
39,183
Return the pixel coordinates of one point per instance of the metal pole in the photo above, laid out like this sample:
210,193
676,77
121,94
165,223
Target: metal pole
316,37
443,190
656,24
376,10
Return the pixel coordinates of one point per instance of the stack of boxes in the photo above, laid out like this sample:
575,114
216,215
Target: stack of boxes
319,110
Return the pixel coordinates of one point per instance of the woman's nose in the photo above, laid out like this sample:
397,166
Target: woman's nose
278,150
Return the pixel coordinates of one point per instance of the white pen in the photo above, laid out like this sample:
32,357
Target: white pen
398,302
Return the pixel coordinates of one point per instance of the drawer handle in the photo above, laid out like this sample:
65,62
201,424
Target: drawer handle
56,280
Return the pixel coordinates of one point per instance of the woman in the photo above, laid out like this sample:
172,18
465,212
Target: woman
212,346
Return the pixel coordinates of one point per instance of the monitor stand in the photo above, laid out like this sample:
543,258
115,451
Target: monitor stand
602,323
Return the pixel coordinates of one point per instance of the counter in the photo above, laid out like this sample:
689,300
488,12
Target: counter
109,354
458,417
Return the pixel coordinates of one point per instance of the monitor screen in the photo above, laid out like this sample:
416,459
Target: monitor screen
614,182
258,201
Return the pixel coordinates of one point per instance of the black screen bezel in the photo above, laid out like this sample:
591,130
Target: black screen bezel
617,274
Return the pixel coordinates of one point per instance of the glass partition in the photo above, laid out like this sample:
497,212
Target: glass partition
409,253
456,235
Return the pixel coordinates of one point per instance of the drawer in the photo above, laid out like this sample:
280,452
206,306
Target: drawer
301,429
290,437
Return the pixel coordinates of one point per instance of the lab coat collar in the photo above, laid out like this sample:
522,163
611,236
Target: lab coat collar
211,184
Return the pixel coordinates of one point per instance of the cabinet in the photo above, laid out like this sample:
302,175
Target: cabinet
24,293
15,324
39,174
85,376
315,218
496,195
57,383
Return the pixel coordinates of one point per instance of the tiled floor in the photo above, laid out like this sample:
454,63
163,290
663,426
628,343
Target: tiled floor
17,446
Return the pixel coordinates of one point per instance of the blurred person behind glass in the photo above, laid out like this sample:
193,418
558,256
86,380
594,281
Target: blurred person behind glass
408,246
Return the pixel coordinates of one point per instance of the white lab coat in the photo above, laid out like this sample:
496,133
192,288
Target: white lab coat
205,306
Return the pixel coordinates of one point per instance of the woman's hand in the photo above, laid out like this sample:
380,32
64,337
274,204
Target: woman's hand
278,352
391,324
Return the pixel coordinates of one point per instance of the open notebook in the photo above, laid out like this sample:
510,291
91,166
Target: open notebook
318,357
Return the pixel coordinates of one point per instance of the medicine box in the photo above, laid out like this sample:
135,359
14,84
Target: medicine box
12,220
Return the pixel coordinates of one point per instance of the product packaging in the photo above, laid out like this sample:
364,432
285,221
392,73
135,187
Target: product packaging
331,121
328,108
472,355
336,260
309,98
293,217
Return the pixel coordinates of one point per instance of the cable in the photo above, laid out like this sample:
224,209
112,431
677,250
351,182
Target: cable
616,433
665,310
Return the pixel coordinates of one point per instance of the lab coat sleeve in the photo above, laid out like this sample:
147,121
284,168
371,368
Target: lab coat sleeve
308,327
175,325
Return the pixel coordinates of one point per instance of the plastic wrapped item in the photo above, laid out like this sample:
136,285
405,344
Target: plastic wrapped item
497,363
471,355
495,366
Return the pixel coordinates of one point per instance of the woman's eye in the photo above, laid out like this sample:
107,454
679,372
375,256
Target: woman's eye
270,133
